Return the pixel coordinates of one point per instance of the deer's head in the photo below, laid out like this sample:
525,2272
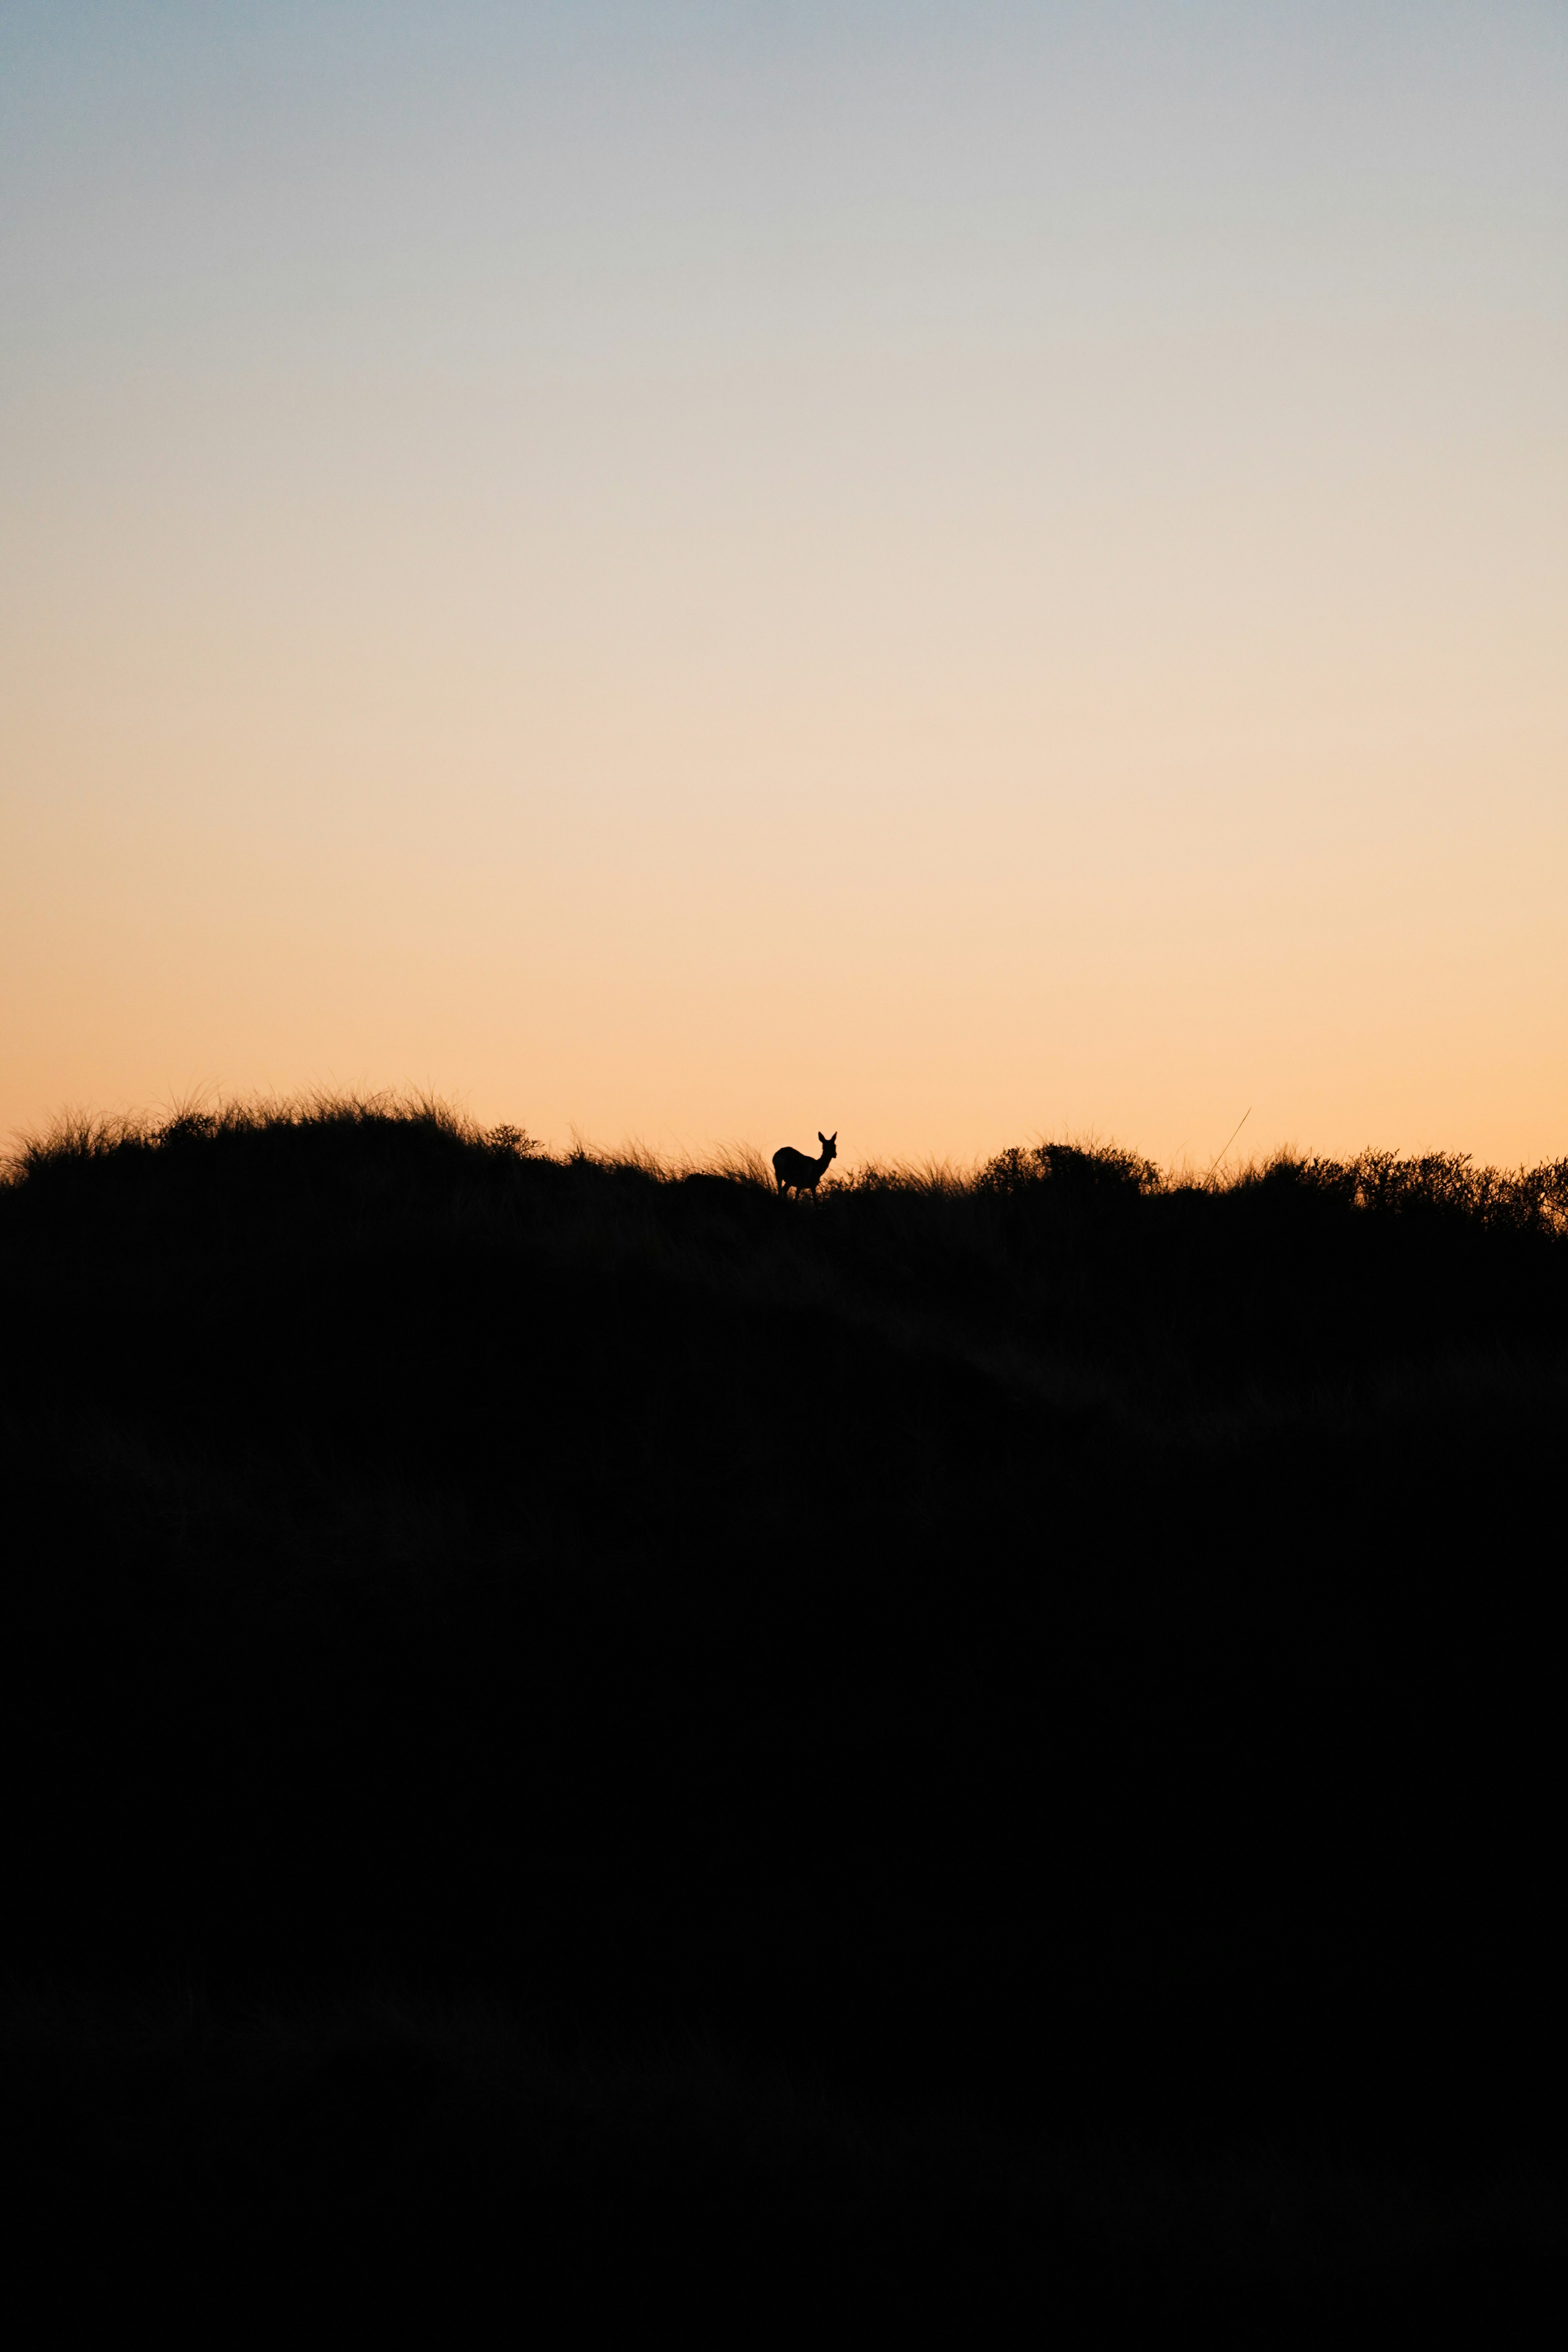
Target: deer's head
829,1142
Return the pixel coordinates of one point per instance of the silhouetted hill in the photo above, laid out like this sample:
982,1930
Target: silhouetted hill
1060,1648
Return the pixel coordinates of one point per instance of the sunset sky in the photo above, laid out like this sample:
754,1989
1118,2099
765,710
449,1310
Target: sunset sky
953,572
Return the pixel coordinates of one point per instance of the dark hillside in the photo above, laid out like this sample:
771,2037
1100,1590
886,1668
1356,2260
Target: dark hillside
1061,1648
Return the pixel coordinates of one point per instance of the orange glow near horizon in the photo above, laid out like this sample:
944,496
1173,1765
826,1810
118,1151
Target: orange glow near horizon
955,586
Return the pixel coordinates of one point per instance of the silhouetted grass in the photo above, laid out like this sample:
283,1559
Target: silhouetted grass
408,2164
1054,1643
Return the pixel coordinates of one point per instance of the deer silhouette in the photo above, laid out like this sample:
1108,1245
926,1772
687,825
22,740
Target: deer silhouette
799,1174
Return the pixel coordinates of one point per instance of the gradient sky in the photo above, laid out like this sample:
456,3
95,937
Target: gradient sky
696,572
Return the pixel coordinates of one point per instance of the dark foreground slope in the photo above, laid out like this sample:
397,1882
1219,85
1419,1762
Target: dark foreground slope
1071,1655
